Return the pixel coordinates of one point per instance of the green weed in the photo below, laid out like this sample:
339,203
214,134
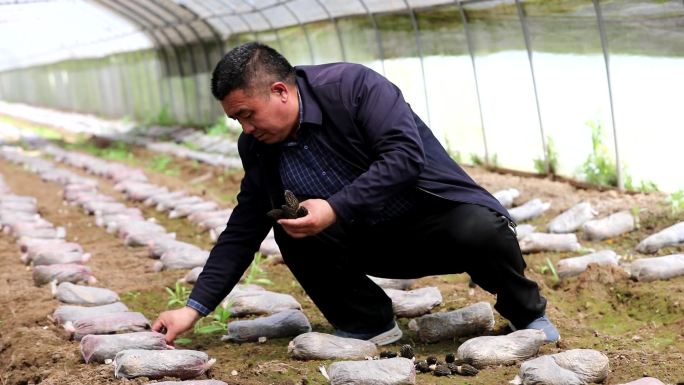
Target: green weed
551,155
219,322
160,163
549,267
599,168
676,202
454,154
256,274
178,296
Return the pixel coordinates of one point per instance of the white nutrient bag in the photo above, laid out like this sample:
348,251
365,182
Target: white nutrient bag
192,275
521,231
506,196
260,302
645,381
651,269
321,346
67,272
569,267
392,371
72,313
529,210
571,367
286,323
98,348
501,350
474,319
183,364
414,303
60,257
670,236
610,226
67,292
181,259
390,283
572,219
112,323
549,242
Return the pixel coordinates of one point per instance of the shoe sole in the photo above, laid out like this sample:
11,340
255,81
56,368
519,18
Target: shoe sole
388,337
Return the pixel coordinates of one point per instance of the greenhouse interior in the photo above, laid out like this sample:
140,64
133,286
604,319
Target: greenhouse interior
184,182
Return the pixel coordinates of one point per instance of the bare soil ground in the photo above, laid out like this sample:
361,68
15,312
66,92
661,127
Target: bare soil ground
639,325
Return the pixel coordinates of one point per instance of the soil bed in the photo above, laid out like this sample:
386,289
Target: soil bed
639,325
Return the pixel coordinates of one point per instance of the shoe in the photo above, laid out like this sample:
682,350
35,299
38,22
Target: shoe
544,324
384,338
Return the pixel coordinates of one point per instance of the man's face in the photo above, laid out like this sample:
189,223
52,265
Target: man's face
268,117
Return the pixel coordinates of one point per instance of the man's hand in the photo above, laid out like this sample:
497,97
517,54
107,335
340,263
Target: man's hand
320,215
175,322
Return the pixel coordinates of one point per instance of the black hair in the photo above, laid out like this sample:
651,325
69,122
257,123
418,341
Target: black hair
249,66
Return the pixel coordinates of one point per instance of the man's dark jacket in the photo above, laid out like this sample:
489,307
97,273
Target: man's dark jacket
365,121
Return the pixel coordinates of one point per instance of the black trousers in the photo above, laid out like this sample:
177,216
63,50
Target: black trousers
439,237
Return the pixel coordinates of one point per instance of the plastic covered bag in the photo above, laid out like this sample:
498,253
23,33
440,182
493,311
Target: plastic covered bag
549,242
286,323
414,303
392,371
320,346
529,210
521,231
474,319
645,381
192,275
501,350
670,236
390,283
72,313
569,267
189,382
248,302
70,293
112,323
572,219
610,226
506,196
571,367
187,258
183,364
98,348
53,257
651,269
66,272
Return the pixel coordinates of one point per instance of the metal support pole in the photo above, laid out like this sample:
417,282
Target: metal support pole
378,37
419,47
606,59
469,42
528,46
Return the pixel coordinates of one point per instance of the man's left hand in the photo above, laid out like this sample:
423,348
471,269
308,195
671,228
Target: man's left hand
320,216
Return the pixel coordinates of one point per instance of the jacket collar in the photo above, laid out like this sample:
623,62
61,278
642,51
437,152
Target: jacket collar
312,113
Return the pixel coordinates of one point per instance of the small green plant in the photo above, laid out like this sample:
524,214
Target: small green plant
676,202
476,160
219,321
645,186
550,268
551,155
164,117
160,163
256,274
182,341
599,168
635,213
178,296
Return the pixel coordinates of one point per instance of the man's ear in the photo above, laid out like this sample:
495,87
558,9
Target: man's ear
281,89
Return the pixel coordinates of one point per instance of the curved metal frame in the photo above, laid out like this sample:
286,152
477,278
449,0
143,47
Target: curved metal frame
528,46
419,47
378,37
306,31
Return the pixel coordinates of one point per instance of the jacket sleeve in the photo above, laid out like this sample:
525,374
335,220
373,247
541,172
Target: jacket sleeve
235,247
386,124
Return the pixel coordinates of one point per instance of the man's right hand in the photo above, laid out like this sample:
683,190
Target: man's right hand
175,322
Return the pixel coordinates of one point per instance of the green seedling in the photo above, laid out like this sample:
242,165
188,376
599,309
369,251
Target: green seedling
178,296
256,273
676,202
550,268
551,156
219,322
182,341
